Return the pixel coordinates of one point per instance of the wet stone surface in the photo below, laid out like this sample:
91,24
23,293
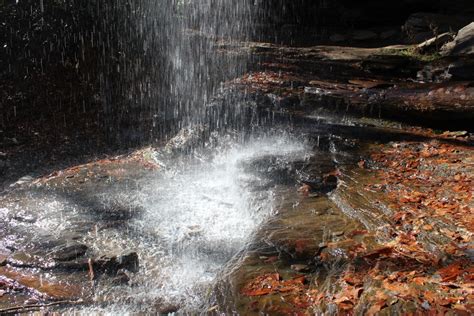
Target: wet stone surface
296,214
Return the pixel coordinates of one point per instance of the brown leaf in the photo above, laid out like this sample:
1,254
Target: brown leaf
377,307
357,232
352,280
384,251
344,303
261,285
451,272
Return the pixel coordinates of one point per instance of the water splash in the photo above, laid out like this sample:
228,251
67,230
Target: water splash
196,219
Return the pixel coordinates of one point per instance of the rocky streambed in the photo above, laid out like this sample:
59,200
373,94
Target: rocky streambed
318,206
278,223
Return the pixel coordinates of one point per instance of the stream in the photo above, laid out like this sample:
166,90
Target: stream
185,221
195,218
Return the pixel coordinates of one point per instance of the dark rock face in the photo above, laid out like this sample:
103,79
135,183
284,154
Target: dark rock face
422,26
337,21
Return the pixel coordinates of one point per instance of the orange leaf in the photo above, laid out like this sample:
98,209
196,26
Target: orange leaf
451,272
376,307
384,251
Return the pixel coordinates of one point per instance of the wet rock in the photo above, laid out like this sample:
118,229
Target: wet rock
435,43
24,217
300,267
463,43
41,284
186,140
460,70
81,264
22,181
322,185
3,165
69,252
118,214
112,264
108,264
274,168
167,309
431,73
24,259
284,102
3,260
122,277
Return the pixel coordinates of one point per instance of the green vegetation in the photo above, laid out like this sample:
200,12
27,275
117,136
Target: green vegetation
413,53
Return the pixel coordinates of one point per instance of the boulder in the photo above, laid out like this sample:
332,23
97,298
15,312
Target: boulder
435,43
423,26
463,43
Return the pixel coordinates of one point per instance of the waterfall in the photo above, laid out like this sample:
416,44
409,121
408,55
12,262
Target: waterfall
161,63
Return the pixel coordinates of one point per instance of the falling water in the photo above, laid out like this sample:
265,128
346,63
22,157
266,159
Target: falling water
158,69
197,214
168,66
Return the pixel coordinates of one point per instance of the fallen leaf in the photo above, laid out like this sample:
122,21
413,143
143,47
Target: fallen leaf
450,273
384,251
357,232
376,307
344,303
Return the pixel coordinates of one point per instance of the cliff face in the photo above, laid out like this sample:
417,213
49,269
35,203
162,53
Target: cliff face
316,22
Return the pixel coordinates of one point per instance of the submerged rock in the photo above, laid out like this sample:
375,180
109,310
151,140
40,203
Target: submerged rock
69,252
112,264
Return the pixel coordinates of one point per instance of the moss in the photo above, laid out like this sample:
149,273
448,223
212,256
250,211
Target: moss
413,53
